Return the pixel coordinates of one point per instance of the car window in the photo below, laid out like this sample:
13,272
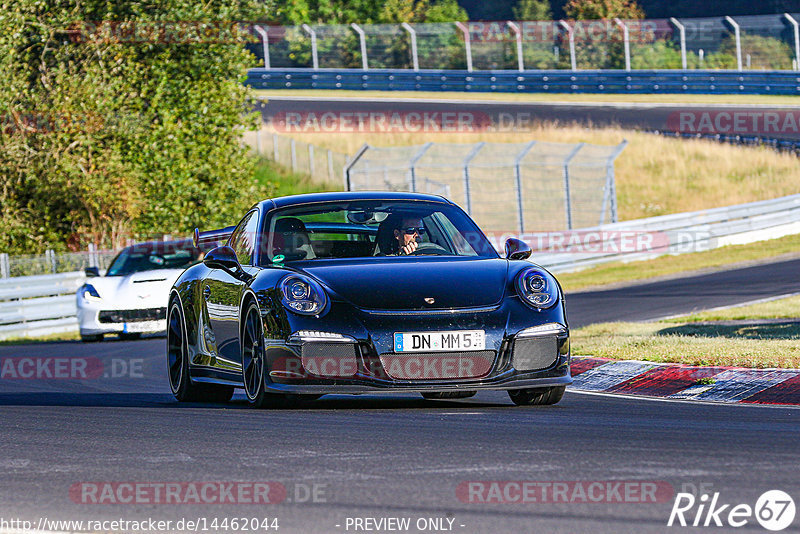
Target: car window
138,258
243,238
353,229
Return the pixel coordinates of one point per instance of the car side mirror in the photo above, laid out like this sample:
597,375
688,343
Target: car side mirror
517,249
222,258
91,272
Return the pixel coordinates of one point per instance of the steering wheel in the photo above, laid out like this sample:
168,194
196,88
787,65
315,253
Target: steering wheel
429,248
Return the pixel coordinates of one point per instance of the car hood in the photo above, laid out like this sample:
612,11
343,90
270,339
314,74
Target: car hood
405,283
150,288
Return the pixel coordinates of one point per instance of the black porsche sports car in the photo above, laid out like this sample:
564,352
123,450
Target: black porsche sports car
363,292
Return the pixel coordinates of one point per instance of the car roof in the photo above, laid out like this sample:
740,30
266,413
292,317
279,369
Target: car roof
295,200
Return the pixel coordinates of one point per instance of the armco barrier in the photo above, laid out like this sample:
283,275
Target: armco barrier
39,305
539,81
682,232
42,305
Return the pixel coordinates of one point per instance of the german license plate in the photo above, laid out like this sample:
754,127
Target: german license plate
439,341
145,326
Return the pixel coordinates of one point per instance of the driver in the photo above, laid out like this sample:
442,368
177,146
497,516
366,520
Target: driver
408,234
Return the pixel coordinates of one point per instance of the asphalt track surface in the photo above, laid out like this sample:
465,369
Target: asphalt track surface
521,116
398,455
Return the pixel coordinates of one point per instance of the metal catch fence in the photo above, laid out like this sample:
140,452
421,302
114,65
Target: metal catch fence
762,42
503,186
323,165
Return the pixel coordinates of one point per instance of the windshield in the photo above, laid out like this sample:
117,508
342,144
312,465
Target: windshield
368,228
142,257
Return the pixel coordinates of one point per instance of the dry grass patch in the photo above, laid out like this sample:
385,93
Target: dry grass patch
785,308
755,346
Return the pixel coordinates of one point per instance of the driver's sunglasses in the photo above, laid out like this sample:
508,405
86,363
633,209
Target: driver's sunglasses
414,229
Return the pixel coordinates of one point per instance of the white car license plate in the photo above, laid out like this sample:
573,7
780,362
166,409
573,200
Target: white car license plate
439,341
144,326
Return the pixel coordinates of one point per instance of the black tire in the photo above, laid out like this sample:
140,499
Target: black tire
537,396
129,336
254,361
92,339
183,389
438,395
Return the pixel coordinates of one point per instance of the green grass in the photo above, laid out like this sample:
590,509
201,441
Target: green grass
52,338
542,97
757,346
279,181
619,272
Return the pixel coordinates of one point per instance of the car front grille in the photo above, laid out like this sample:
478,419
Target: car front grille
535,353
132,316
438,365
337,360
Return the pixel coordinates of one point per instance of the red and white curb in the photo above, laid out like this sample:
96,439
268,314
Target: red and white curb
676,381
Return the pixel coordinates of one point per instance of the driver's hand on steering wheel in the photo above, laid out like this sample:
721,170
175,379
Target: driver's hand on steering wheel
409,248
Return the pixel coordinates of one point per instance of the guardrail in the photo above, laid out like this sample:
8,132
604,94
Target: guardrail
539,81
42,305
671,234
39,305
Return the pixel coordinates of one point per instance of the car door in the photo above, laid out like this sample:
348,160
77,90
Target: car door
222,292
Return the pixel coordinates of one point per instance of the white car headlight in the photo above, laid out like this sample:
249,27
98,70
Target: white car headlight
88,292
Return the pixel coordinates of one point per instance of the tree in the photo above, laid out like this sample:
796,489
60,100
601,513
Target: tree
533,10
603,9
125,128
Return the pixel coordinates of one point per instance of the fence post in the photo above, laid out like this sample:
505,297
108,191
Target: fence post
275,147
330,165
682,32
472,154
5,270
612,178
573,62
567,199
350,163
293,149
362,40
50,256
93,255
518,179
412,33
626,39
314,57
517,37
467,44
413,165
264,43
737,36
311,159
796,27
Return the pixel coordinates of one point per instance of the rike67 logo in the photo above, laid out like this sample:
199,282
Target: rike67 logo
774,510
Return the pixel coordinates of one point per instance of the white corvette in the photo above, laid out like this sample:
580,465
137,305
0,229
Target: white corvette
131,298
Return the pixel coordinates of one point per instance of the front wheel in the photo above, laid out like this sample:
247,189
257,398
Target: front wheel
537,396
183,389
254,361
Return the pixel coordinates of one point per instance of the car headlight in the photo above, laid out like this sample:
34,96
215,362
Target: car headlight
302,295
537,288
88,292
